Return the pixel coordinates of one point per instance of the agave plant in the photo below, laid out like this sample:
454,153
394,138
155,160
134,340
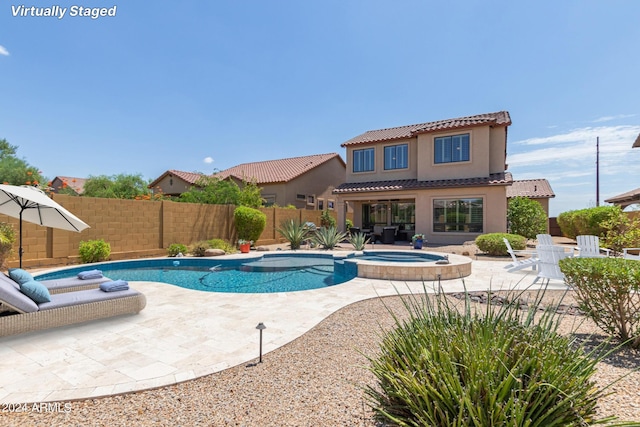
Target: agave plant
359,240
295,232
328,237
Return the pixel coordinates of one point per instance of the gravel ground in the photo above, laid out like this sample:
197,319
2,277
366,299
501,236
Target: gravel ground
315,380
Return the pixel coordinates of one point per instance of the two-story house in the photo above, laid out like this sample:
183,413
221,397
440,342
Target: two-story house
446,179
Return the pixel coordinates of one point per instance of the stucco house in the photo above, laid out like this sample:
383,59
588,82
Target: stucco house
68,182
305,182
446,179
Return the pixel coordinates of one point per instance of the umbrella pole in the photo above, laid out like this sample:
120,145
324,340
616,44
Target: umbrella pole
20,249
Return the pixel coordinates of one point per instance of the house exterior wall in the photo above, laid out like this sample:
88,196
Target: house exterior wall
487,156
494,209
172,185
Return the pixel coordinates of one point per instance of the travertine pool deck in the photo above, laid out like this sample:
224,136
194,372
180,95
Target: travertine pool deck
183,334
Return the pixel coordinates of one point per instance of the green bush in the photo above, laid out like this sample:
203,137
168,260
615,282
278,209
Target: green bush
348,223
358,240
326,219
199,248
250,222
621,231
94,251
448,367
606,289
176,248
493,244
328,237
7,239
586,221
222,244
294,232
526,217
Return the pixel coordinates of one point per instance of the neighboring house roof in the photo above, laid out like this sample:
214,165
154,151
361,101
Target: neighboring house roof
637,143
502,178
189,177
625,199
402,132
274,171
532,188
77,184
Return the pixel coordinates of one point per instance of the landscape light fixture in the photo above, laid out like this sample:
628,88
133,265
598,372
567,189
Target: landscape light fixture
260,327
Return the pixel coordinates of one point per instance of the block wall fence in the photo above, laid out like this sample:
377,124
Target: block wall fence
138,228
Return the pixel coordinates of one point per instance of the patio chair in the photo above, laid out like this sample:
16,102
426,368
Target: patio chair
544,239
626,253
518,264
589,247
23,314
70,284
549,267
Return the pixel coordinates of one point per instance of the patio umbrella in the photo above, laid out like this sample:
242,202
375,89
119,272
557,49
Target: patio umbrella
33,205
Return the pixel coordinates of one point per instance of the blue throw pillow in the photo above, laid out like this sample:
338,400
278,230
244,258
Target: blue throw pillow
19,275
36,291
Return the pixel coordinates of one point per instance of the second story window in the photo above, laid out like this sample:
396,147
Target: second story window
363,160
396,157
449,149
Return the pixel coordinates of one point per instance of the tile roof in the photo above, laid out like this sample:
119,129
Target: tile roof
499,118
629,197
274,171
189,177
77,184
532,188
503,178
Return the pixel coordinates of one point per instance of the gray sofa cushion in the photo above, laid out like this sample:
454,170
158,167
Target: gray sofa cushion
83,297
13,298
72,282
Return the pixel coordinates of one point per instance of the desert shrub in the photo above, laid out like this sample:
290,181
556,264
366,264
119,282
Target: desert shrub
176,248
294,232
526,217
94,251
621,231
606,289
493,244
249,222
348,223
358,240
326,219
586,221
7,239
221,244
441,366
199,248
328,237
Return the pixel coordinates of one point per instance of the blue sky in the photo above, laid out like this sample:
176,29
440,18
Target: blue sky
206,85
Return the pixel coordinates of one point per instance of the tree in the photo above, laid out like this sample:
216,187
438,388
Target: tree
120,186
212,190
16,171
526,217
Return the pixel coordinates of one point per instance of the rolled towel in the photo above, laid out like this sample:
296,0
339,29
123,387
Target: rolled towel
90,274
115,285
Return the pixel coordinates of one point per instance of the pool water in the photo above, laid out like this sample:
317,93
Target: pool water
256,274
259,275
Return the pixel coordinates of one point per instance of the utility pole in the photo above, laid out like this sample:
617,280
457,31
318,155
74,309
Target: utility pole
597,171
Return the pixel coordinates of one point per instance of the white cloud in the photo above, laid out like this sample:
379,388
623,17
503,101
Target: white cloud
609,118
4,51
208,160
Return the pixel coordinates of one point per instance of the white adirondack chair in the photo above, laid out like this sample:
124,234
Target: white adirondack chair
589,247
628,255
549,257
544,239
519,264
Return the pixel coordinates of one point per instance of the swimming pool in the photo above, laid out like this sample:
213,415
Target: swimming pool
268,272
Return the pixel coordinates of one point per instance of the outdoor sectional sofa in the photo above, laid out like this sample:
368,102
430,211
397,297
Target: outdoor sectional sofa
65,308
